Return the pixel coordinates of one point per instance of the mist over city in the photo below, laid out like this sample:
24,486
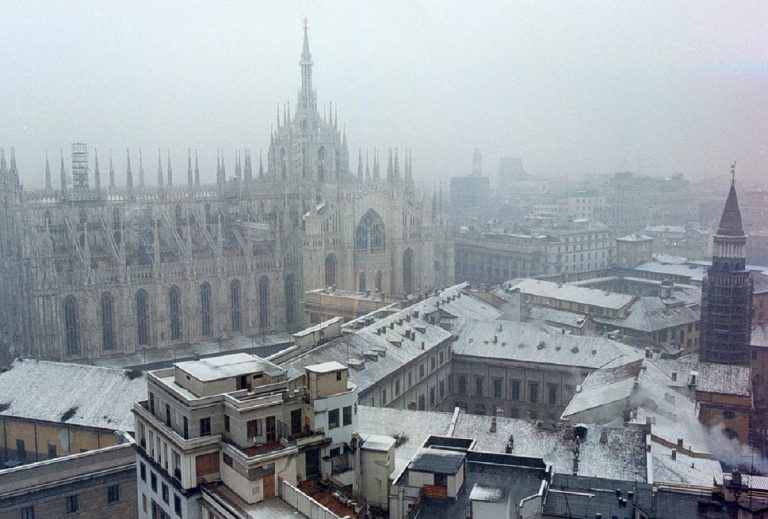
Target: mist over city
384,260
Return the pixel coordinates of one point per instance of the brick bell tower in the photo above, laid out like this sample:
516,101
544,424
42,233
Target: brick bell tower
726,298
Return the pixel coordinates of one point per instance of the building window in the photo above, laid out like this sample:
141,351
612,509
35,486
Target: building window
333,419
338,375
533,392
289,298
440,357
347,415
28,512
421,371
142,318
422,405
226,423
165,491
234,303
462,384
143,471
431,397
479,382
71,332
177,505
206,321
330,270
410,379
497,387
21,451
205,427
383,396
71,504
397,387
441,386
107,321
174,308
113,493
552,394
263,302
254,429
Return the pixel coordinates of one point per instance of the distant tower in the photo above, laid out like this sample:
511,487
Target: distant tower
477,163
726,297
79,165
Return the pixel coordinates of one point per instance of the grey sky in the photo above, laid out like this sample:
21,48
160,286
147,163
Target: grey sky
571,87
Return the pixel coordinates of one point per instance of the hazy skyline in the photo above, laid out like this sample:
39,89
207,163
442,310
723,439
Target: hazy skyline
591,87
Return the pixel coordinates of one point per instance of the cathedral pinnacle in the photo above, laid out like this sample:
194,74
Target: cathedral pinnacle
160,176
47,173
128,173
189,166
111,172
197,170
170,170
141,170
306,95
96,172
63,174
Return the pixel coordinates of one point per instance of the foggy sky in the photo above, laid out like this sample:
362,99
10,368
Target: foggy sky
572,88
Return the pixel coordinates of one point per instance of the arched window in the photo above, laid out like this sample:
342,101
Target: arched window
408,271
263,302
116,216
330,270
321,164
179,217
361,282
206,322
370,234
289,299
142,318
378,282
71,332
174,310
107,321
234,301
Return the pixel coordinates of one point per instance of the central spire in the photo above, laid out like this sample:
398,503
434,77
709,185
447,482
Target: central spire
730,221
307,95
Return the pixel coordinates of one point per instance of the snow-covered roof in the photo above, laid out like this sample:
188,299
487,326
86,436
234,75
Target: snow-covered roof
377,442
650,314
558,317
606,451
759,336
226,366
572,293
76,394
326,367
396,339
536,343
715,378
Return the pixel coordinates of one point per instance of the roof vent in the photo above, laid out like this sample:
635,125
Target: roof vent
541,345
575,349
358,364
396,343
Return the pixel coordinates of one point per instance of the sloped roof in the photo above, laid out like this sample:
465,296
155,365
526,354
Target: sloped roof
650,314
89,396
730,221
572,293
531,342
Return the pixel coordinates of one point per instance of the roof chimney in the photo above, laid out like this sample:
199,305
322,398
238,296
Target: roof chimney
493,424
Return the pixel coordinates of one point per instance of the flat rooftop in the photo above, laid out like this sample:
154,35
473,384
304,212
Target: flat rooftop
227,366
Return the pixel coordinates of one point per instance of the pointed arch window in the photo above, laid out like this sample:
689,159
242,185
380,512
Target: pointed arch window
283,163
361,282
370,235
330,270
206,321
107,321
321,164
174,310
263,302
289,299
71,331
234,302
142,318
408,271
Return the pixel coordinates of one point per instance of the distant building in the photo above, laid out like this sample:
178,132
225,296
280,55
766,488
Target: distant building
726,300
633,249
468,194
510,172
495,257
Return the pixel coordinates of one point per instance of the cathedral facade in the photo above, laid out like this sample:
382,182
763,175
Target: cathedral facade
107,269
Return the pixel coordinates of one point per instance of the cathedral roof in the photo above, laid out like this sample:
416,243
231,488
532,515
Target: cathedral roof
730,222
